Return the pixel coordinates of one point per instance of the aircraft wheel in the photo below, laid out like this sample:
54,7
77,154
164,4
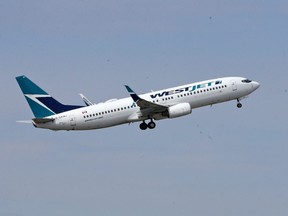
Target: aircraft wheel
143,126
151,125
239,105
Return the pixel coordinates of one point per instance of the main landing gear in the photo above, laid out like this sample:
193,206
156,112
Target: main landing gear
150,125
239,105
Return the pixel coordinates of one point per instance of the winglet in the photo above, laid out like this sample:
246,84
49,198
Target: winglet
133,95
145,104
85,99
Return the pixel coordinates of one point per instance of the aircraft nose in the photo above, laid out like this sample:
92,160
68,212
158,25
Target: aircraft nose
255,85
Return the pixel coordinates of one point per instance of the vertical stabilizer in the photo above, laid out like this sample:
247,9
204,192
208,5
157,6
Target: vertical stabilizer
40,102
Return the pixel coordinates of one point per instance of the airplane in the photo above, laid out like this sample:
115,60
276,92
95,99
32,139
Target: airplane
157,105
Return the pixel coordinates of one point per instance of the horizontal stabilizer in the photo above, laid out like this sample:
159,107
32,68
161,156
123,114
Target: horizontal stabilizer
42,120
25,121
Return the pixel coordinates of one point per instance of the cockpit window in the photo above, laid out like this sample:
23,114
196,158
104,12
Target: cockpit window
246,81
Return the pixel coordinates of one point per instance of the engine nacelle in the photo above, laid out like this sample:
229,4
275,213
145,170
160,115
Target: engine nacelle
178,110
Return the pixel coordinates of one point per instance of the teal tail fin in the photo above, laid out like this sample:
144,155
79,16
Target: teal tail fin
40,102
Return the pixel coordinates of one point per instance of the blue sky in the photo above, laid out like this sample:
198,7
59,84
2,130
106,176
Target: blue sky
219,161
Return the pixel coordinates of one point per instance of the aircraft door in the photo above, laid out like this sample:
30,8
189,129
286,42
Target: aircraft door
72,119
233,84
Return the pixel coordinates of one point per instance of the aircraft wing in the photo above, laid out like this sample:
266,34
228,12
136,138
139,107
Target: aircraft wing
147,108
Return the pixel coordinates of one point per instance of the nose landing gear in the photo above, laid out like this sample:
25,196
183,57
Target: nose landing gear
239,105
150,125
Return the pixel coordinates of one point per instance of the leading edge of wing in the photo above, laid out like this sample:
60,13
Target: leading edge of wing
144,104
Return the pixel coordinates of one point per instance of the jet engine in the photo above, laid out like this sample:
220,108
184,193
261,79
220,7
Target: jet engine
178,110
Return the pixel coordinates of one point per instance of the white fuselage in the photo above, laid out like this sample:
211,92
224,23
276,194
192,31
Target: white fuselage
122,111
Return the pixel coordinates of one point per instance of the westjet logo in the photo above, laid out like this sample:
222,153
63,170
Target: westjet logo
186,89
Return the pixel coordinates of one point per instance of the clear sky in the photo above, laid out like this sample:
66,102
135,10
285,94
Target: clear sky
218,161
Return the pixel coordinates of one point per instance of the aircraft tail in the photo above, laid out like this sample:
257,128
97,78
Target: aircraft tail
40,102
